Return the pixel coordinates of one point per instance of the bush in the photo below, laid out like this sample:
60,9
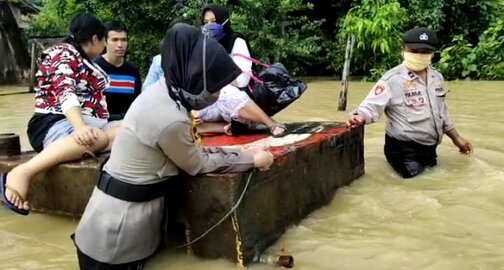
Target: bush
485,61
489,54
457,61
287,36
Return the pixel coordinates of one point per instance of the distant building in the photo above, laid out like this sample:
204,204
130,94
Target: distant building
14,54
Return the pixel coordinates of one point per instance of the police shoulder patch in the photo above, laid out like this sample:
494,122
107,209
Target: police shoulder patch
379,89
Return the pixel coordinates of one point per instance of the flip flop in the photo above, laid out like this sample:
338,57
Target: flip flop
12,207
275,126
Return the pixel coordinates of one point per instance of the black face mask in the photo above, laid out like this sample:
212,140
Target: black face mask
199,101
204,98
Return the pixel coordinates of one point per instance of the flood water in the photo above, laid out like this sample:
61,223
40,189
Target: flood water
451,217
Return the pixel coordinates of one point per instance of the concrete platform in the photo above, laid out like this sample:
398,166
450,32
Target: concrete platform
310,165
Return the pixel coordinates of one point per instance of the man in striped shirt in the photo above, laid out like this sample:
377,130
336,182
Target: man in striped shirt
125,82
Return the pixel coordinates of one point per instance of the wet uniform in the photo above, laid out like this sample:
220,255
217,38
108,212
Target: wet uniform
417,117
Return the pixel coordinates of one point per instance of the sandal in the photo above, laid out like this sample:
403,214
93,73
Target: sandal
6,202
275,126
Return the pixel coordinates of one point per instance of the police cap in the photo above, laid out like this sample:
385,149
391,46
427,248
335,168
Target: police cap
420,38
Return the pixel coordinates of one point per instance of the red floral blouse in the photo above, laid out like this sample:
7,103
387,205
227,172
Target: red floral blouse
65,80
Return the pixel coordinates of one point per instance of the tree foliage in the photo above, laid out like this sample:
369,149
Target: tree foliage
309,36
484,61
377,28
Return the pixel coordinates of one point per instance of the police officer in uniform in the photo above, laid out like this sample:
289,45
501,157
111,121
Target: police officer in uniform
412,95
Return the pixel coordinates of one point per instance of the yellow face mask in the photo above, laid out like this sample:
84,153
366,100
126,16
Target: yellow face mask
417,61
194,132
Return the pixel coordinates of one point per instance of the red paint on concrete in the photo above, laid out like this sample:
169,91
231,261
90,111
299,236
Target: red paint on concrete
278,151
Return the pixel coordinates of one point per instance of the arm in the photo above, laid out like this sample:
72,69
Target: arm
452,134
464,146
375,102
448,127
64,83
74,116
240,46
450,130
177,143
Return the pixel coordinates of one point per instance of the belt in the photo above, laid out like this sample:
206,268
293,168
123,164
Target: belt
130,192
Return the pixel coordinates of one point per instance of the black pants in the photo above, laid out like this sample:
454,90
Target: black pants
88,263
409,158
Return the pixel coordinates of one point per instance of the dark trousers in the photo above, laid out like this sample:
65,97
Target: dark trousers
88,263
409,158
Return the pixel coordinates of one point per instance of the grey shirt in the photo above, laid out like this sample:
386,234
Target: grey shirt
154,141
416,110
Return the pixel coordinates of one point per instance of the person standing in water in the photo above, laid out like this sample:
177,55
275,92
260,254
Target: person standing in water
234,105
71,114
121,225
412,95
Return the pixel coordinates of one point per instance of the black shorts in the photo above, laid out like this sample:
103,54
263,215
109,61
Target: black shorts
88,263
409,158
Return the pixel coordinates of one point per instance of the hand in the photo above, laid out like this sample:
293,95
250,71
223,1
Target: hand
86,136
198,121
195,115
355,121
263,160
464,146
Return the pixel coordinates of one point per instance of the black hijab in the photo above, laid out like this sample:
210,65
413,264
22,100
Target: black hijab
221,15
182,64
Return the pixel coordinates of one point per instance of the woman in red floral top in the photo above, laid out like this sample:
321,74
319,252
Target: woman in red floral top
70,112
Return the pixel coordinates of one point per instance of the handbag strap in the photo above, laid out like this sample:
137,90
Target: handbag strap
255,61
250,73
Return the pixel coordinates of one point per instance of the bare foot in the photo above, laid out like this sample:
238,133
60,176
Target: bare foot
17,188
227,130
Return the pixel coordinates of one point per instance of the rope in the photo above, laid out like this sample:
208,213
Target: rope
235,206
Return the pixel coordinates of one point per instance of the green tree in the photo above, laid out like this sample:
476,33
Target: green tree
287,35
421,13
377,26
297,33
484,61
54,16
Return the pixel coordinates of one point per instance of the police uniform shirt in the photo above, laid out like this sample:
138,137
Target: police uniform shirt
416,110
154,141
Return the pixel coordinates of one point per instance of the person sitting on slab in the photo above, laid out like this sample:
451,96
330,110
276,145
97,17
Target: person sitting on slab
234,106
71,114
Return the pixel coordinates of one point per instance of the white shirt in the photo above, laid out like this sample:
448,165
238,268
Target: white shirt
240,47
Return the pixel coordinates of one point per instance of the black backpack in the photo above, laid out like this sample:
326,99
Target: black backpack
273,89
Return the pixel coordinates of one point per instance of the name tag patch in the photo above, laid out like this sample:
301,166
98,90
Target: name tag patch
414,98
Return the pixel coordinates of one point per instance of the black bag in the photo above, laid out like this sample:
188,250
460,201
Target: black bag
273,89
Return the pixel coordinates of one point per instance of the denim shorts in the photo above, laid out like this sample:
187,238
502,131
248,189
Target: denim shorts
63,128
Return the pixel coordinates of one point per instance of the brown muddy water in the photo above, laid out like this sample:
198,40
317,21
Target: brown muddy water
451,217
